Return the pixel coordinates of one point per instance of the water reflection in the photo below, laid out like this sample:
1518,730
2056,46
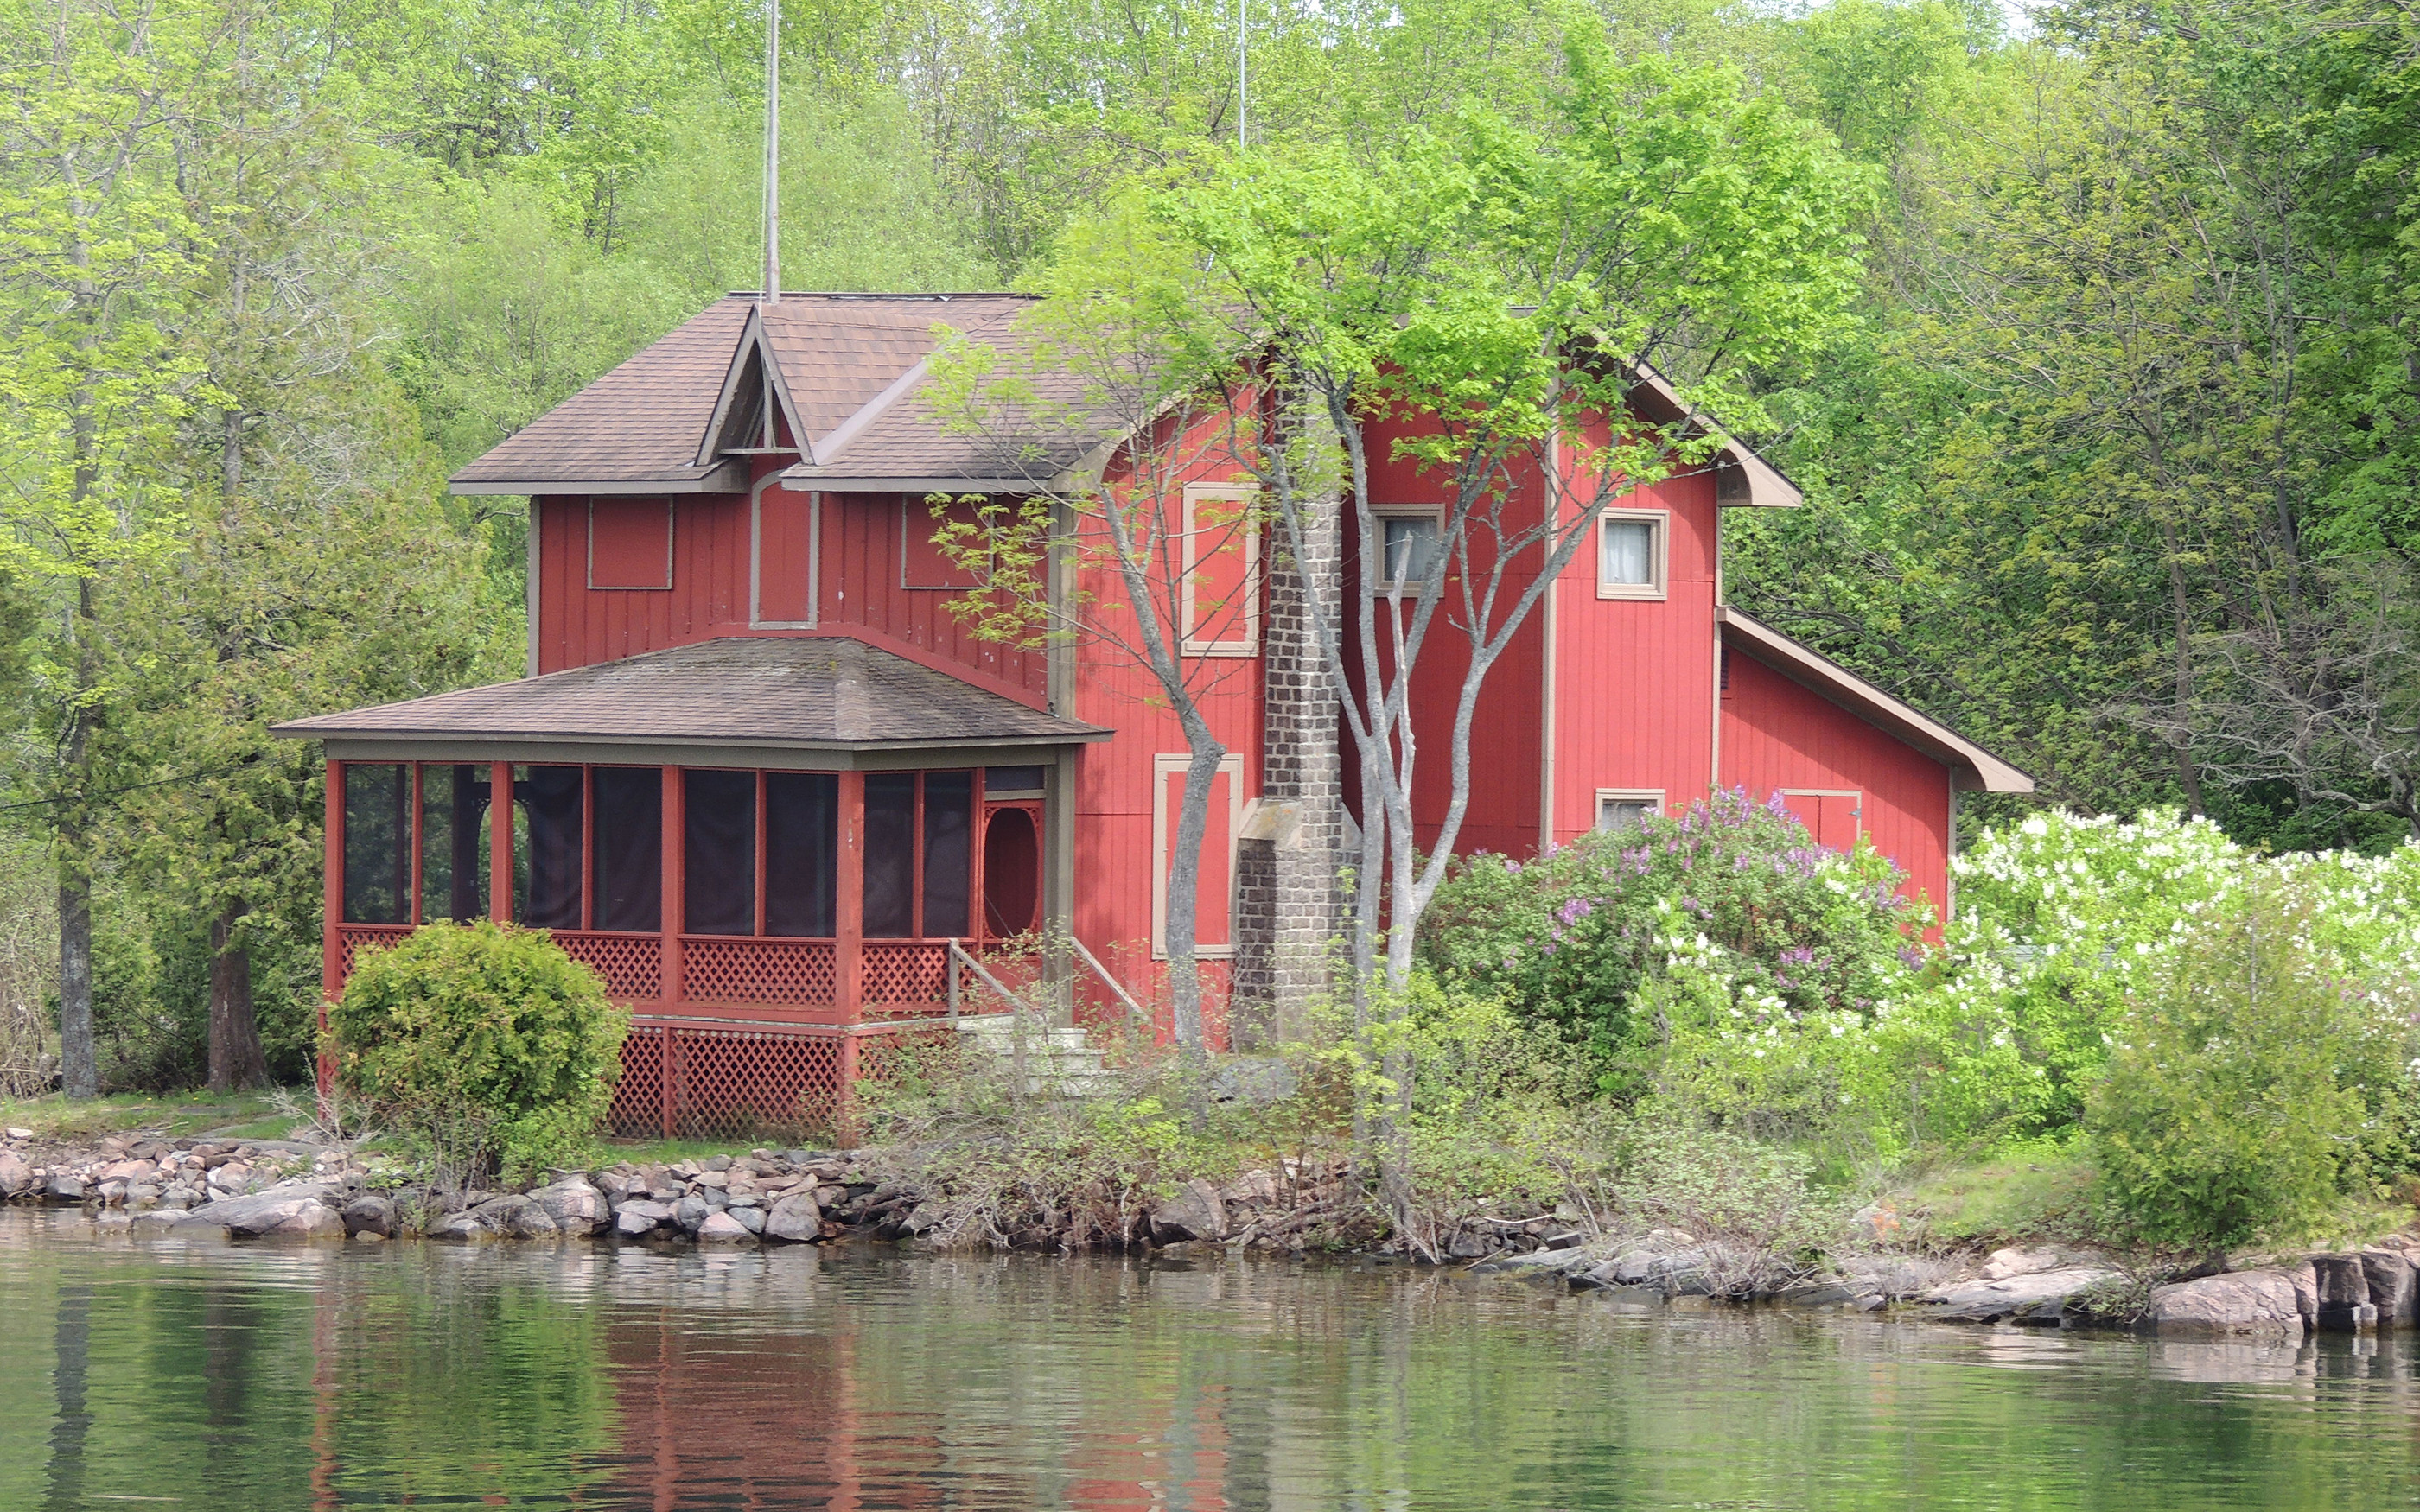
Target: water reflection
211,1375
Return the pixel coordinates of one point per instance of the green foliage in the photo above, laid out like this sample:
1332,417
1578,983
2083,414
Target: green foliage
2256,1085
1727,921
487,1043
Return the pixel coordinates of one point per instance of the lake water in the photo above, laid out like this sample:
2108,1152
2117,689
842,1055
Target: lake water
257,1376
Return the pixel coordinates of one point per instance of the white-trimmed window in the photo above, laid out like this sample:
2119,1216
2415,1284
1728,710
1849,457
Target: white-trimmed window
1621,808
1221,597
1410,543
1215,885
1634,548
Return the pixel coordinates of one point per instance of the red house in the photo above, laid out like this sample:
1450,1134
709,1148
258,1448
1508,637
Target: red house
761,778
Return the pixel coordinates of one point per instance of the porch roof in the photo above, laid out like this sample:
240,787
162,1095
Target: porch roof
819,693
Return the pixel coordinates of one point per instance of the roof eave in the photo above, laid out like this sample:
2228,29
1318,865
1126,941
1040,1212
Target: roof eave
804,476
303,730
728,477
1972,767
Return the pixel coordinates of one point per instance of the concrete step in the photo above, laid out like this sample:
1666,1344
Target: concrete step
1060,1061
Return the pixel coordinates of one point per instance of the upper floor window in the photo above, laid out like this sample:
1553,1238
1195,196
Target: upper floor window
630,543
1220,602
1633,549
1410,549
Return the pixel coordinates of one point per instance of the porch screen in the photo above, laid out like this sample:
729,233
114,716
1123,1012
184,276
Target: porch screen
452,865
801,852
720,852
378,843
890,854
949,851
549,797
627,874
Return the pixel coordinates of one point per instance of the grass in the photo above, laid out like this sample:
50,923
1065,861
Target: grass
180,1115
2032,1190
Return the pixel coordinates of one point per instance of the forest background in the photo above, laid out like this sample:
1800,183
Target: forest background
2116,470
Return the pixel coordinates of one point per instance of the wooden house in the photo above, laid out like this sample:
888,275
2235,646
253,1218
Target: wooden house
761,778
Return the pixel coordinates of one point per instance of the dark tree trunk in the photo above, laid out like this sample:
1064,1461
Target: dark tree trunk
79,1067
236,1059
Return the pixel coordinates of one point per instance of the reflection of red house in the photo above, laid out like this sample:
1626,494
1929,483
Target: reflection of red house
760,776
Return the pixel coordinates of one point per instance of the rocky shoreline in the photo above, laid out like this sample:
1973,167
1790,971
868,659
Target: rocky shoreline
262,1188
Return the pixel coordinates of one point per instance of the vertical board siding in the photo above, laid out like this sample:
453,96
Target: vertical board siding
1778,733
713,576
1634,678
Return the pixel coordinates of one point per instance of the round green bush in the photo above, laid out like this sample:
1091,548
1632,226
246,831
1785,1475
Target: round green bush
487,1042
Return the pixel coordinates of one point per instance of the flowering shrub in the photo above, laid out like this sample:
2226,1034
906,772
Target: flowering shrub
1733,896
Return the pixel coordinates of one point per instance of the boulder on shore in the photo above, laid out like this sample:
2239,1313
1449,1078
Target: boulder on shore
1195,1213
2394,1286
574,1205
370,1214
2251,1304
2343,1303
15,1175
722,1229
795,1218
285,1208
1988,1301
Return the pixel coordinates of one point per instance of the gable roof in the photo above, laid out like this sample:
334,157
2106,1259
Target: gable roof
1972,767
810,693
847,370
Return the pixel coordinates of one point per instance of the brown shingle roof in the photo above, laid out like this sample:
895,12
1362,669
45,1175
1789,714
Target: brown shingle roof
818,693
851,366
642,421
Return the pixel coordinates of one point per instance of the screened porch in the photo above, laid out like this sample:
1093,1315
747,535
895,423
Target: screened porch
797,897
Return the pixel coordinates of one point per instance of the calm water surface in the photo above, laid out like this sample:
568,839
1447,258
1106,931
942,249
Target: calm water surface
217,1374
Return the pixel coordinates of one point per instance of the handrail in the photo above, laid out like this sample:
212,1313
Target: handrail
1134,1007
958,956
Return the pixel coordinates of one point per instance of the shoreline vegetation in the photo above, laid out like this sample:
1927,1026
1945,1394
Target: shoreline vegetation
2145,1078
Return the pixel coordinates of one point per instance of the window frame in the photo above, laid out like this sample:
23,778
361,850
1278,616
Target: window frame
1433,514
1653,796
1163,821
1190,644
1659,553
664,587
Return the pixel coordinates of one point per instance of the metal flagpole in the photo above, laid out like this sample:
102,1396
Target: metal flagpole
772,292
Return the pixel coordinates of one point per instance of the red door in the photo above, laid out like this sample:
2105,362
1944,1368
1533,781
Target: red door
1833,816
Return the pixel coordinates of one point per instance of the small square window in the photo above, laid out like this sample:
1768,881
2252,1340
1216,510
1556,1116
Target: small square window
1631,554
1411,547
1618,810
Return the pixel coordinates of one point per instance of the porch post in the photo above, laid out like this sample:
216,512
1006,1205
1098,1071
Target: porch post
500,841
332,943
675,904
849,930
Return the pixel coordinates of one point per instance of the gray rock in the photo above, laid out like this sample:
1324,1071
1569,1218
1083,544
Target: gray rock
460,1228
722,1229
15,1175
517,1217
639,1218
752,1219
2394,1286
692,1213
1194,1213
63,1188
314,1220
1539,1264
926,1218
2343,1285
370,1214
575,1207
1986,1301
795,1218
262,1212
2255,1304
159,1220
143,1195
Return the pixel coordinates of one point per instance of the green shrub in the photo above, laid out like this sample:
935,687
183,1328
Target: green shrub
488,1044
2256,1085
1568,941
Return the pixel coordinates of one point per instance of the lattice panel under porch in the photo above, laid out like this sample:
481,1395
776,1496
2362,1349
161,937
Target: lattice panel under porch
727,1084
718,970
631,964
353,940
899,972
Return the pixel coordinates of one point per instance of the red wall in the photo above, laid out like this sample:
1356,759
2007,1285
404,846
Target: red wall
860,592
1779,733
1634,678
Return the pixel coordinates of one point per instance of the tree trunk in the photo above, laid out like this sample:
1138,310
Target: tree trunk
80,1068
236,1058
1183,924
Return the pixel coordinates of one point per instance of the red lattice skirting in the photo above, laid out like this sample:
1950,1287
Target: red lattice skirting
682,1080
